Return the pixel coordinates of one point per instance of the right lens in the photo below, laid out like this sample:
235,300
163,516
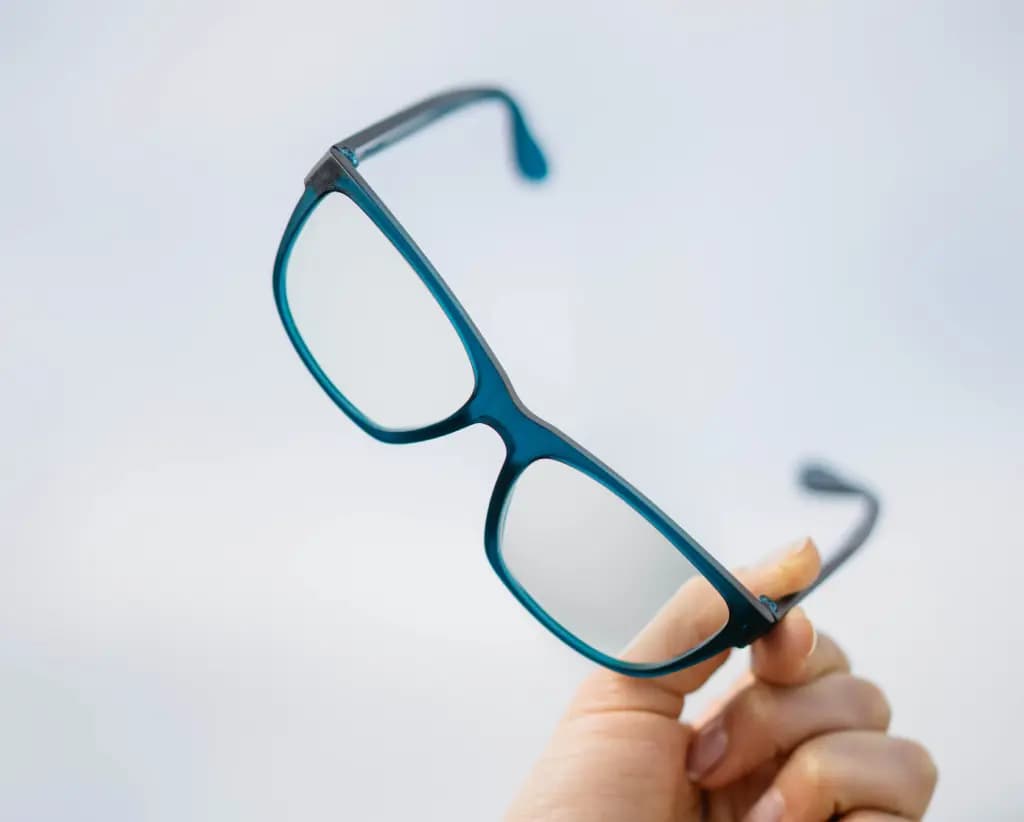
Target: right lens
371,324
602,571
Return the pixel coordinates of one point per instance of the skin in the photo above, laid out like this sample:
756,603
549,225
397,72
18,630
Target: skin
798,738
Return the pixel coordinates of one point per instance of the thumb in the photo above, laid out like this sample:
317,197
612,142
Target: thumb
694,613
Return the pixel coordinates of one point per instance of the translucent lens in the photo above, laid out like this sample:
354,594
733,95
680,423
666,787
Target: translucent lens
597,567
371,324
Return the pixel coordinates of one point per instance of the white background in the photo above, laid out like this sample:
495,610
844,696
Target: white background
772,231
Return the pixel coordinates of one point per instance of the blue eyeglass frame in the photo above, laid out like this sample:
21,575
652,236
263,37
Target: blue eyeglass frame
494,402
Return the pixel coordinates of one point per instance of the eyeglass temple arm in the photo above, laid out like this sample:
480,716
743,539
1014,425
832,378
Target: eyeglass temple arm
822,480
528,155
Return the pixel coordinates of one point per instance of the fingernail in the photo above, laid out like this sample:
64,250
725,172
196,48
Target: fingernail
769,808
801,545
707,749
784,553
814,638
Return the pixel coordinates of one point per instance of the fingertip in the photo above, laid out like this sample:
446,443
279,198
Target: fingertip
771,807
802,566
806,554
787,572
806,636
707,749
787,553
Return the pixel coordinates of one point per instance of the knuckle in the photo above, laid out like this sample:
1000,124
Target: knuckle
858,703
810,769
602,691
755,707
831,657
843,660
921,763
873,703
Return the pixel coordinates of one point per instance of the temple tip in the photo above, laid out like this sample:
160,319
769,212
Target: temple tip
529,156
816,477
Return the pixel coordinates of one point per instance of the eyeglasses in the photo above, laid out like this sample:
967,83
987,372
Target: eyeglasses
587,554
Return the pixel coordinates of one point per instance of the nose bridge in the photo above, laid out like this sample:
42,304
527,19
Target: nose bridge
497,406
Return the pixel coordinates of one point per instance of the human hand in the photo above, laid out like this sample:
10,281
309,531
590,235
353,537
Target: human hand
796,739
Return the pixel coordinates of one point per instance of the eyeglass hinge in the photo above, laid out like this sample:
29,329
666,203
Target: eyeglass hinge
325,173
773,606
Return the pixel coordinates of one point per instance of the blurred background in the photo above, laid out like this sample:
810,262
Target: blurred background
772,231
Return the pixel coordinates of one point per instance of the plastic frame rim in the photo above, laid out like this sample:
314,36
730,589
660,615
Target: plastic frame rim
527,437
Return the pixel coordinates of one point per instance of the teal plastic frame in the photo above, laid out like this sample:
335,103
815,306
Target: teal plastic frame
494,402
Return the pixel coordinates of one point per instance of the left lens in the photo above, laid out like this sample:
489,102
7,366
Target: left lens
370,322
596,566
